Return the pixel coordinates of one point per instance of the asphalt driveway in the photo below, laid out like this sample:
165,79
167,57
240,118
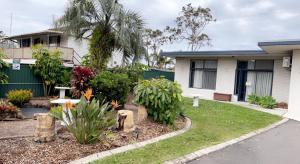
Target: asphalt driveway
280,145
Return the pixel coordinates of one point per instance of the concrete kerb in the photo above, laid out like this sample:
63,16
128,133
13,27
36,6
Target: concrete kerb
201,152
107,153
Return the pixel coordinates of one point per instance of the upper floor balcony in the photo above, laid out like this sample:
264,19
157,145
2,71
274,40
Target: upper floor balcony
50,39
26,53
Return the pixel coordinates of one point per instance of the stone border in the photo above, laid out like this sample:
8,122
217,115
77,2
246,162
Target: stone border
107,153
205,151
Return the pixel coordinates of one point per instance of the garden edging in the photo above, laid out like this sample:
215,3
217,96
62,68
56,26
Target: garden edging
107,153
207,150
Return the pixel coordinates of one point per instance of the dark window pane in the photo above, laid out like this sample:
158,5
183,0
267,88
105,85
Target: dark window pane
211,64
264,65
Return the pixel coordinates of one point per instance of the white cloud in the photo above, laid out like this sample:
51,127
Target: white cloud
240,24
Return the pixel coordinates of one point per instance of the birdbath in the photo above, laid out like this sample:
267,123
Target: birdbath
62,91
62,102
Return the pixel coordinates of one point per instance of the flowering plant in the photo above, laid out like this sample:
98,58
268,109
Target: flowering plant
87,120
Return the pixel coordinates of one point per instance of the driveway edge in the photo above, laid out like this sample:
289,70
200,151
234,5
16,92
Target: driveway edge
122,149
201,152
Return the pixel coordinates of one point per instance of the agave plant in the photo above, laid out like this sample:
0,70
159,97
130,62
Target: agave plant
87,120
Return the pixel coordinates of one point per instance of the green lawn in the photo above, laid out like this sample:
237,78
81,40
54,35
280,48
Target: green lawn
212,123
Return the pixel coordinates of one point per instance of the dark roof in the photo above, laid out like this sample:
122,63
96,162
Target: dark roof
214,53
276,43
45,32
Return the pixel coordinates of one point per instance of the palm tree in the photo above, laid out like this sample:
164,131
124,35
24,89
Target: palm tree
109,26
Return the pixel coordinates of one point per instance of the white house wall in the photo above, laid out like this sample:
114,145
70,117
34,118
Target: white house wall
225,77
281,82
294,101
80,46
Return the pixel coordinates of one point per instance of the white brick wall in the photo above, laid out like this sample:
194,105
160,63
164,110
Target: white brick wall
281,82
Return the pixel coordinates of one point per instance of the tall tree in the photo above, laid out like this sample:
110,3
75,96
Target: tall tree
153,40
190,25
109,25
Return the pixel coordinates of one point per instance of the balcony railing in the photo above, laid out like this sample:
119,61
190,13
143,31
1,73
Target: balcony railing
26,53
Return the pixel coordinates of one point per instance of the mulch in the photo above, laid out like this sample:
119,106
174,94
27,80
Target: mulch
65,148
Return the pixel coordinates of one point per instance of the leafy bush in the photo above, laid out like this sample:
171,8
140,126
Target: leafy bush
135,73
87,121
267,102
253,99
161,97
48,66
65,80
110,86
80,80
19,97
3,64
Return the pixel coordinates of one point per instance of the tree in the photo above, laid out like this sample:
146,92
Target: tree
190,25
153,40
109,25
48,67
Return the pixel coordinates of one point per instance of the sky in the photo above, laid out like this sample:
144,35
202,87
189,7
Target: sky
240,23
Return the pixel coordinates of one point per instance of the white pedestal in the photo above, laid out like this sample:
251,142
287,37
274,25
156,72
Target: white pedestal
62,91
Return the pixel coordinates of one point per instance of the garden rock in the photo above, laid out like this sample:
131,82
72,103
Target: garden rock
127,123
45,128
142,113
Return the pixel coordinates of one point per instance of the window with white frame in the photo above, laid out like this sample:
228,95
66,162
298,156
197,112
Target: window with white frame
203,74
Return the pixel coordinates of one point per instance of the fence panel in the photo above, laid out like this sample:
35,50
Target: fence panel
22,79
153,73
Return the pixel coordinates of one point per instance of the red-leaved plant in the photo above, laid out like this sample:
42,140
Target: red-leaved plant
7,110
80,80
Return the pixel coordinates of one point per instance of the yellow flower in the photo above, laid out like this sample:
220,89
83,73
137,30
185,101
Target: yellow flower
114,104
88,94
69,105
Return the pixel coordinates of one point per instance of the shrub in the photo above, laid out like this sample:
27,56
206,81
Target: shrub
135,73
19,97
80,80
253,99
161,97
87,121
110,86
48,66
7,110
267,102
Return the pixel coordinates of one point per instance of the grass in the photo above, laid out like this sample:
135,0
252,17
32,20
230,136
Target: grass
212,123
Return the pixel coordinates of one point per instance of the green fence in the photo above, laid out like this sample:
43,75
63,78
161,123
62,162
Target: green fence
153,73
22,79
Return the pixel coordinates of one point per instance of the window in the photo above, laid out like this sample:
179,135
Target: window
260,77
25,43
203,74
54,40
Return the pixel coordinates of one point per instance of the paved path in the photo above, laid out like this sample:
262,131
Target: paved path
280,145
17,128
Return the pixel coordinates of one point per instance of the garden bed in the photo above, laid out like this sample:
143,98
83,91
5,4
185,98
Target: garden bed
65,148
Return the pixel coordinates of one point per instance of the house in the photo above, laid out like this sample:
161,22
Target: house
272,71
18,52
72,49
